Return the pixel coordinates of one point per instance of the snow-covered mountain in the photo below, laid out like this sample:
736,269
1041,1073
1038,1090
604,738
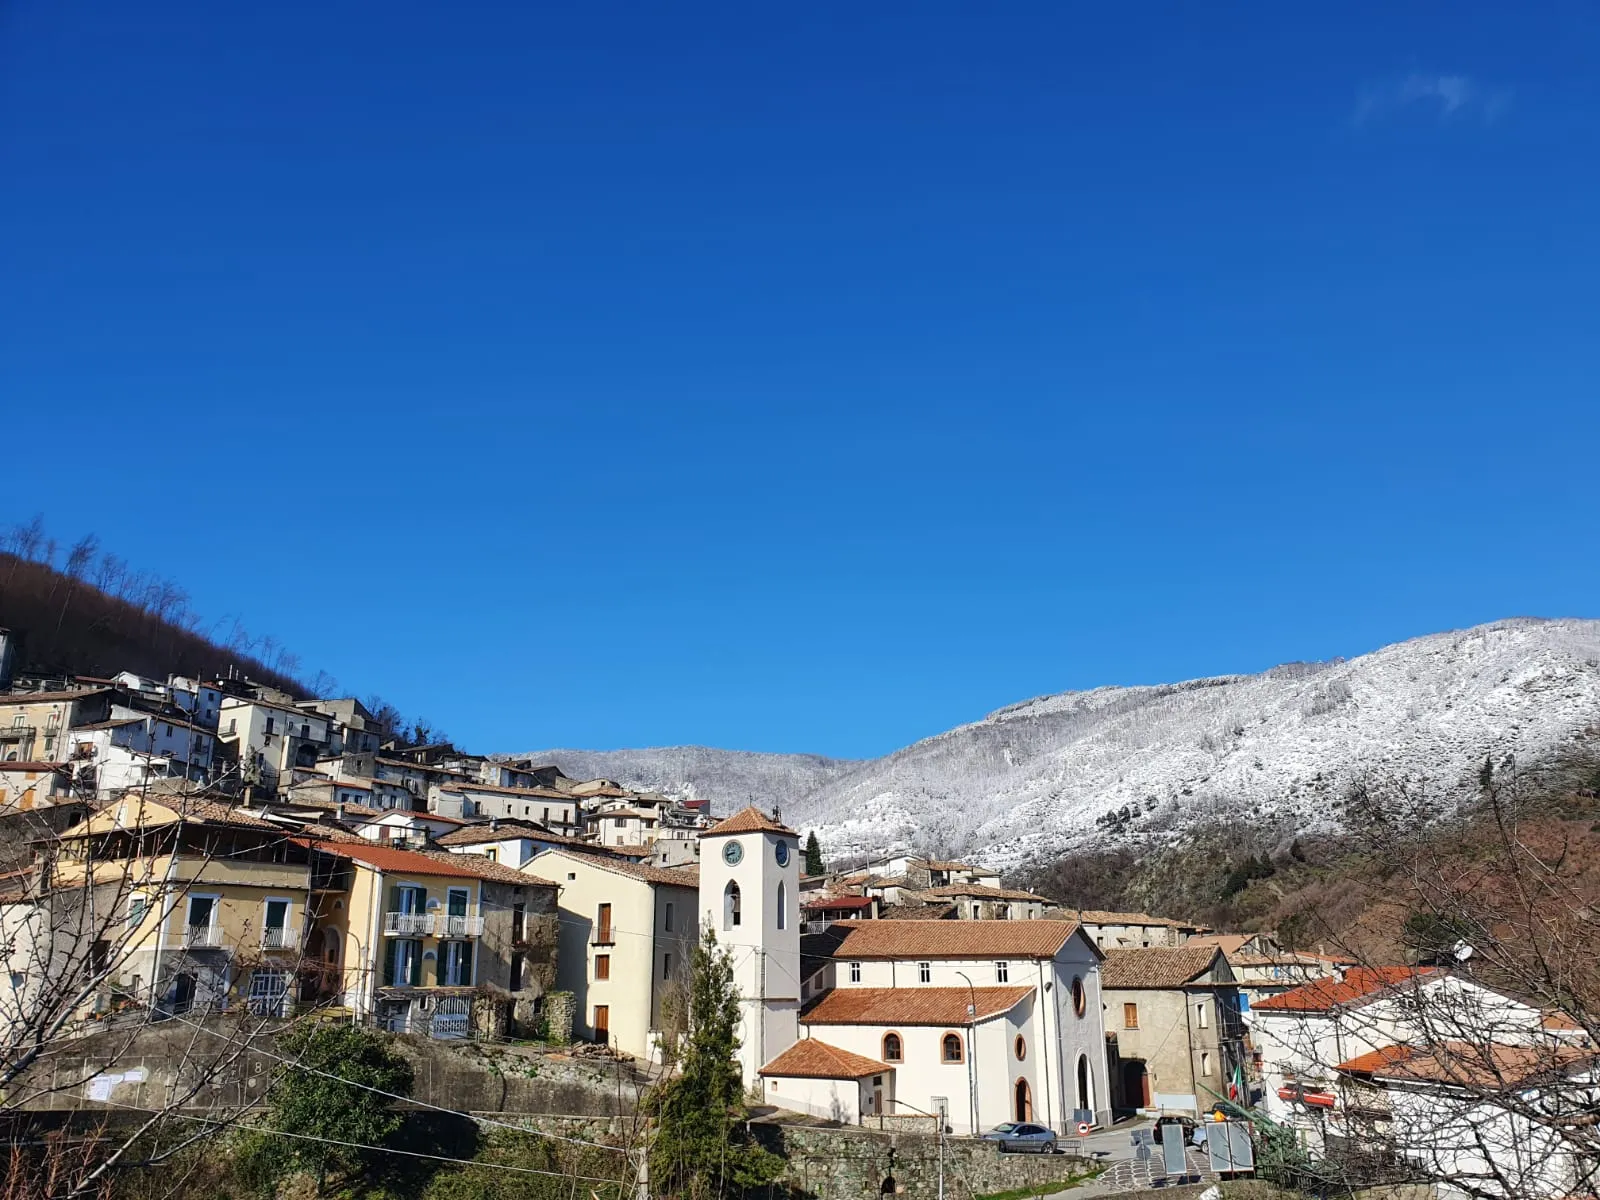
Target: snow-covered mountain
1282,746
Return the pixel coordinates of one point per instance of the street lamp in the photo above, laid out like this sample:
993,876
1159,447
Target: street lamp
972,1051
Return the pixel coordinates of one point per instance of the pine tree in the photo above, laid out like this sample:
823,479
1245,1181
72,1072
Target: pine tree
702,1147
814,865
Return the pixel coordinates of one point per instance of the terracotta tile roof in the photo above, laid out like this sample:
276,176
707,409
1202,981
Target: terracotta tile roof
749,819
813,1059
8,698
955,939
1360,983
1229,943
1099,916
685,877
1155,966
934,864
33,767
979,891
839,902
497,790
911,1005
117,723
1468,1064
424,862
504,831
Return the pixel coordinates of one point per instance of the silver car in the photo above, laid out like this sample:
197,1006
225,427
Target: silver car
1020,1137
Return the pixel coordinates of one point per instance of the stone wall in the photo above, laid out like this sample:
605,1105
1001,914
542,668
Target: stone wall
852,1164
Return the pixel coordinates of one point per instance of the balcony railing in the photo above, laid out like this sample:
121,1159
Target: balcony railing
459,926
202,937
277,937
413,923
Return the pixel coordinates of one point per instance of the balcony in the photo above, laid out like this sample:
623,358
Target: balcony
459,925
408,924
277,937
202,937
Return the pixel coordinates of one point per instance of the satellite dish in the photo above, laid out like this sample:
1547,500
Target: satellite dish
1461,951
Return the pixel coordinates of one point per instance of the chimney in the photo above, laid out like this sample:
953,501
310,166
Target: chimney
338,811
494,824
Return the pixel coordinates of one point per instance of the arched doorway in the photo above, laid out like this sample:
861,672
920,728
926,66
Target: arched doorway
1024,1102
1085,1085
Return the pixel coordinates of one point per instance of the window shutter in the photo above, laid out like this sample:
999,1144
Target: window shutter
466,963
416,966
388,963
440,970
394,898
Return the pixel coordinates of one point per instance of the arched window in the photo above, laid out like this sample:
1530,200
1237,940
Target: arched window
1085,1085
783,905
892,1050
951,1049
730,906
1080,999
1020,1048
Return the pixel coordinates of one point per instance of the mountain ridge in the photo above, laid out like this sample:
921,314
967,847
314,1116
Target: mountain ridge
1088,768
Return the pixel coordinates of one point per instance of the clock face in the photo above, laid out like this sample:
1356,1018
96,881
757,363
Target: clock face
781,851
732,853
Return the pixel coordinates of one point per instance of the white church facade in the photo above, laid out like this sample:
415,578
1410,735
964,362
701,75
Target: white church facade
980,1022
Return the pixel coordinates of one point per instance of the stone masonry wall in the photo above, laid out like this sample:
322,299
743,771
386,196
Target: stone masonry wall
852,1164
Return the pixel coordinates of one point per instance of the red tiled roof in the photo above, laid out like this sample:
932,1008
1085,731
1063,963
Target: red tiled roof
840,902
1324,995
8,698
418,862
685,877
955,939
912,1005
1468,1064
983,892
811,1059
749,819
1155,966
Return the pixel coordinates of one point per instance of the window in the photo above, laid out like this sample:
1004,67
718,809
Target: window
516,972
202,913
519,919
269,993
783,905
730,906
1200,1014
950,1048
1002,912
1020,1048
275,925
1205,1063
602,925
666,966
667,919
491,854
305,730
893,1051
618,823
924,972
1080,998
1130,1016
137,907
271,724
602,966
977,911
1002,972
402,963
455,964
855,972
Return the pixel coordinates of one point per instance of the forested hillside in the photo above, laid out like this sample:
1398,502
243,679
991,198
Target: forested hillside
81,610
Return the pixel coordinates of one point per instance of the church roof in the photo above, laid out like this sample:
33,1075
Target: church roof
749,819
812,1059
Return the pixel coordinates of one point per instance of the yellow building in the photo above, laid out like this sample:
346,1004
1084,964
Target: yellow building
190,904
410,938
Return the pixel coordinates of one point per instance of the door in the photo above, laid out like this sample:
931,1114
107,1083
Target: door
1024,1101
602,1023
275,935
202,914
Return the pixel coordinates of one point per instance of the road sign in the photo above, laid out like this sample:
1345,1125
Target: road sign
1083,1128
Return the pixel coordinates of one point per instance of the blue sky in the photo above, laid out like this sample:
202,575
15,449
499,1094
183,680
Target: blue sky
809,379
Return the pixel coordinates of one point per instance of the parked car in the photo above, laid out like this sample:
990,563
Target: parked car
1185,1125
1019,1137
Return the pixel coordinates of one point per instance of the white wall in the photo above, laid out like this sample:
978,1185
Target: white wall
842,1100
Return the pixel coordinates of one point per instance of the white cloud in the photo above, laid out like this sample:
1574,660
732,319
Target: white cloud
1449,96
